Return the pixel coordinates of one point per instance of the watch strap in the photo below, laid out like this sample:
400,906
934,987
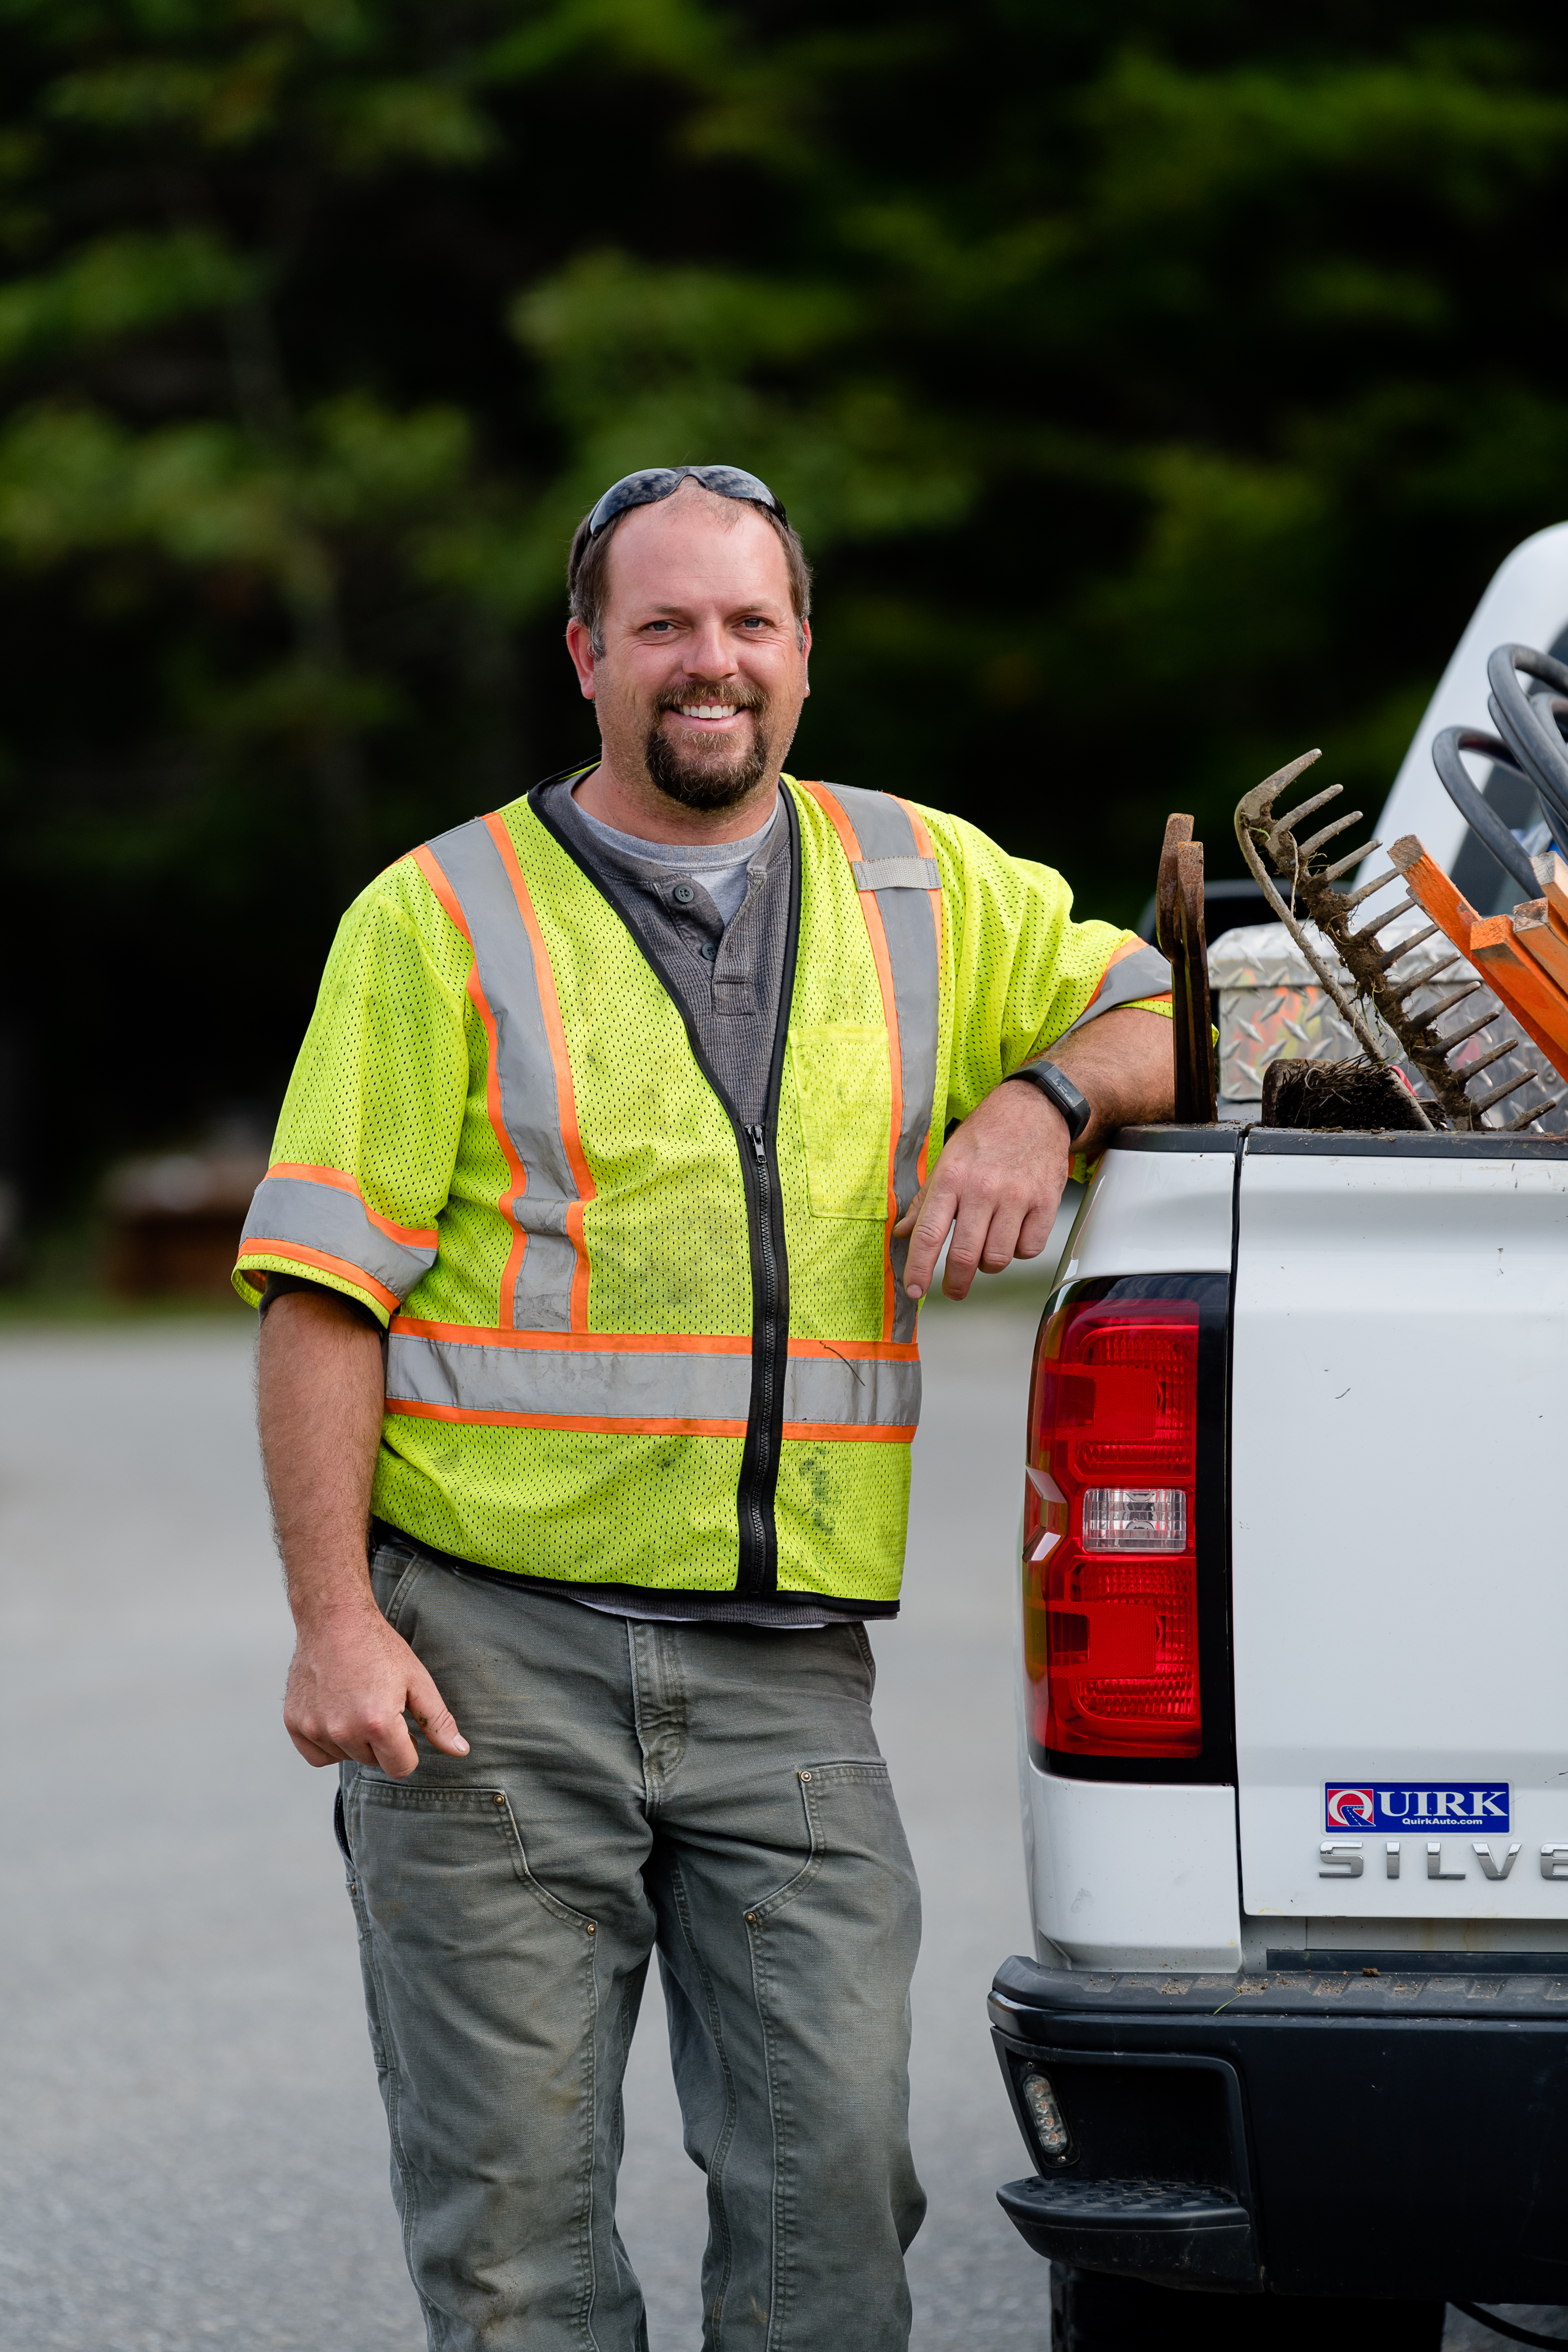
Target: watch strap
1060,1089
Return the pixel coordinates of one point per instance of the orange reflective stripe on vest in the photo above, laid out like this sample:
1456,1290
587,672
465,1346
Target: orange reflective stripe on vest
330,1228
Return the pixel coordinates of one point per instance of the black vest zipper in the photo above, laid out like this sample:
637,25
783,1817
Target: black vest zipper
759,1567
758,1573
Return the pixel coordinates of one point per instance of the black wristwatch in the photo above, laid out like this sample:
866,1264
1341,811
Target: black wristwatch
1059,1088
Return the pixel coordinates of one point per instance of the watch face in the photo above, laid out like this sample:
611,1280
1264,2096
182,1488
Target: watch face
1073,1106
1060,1089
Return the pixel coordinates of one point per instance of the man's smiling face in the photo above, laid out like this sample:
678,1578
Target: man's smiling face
700,685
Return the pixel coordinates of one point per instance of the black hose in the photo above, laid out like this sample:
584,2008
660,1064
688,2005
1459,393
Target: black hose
1530,734
1476,810
1507,2327
1553,797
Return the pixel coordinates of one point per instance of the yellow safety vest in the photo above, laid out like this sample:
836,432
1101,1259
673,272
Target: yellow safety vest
631,1342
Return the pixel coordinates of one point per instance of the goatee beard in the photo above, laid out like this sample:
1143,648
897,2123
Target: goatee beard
709,777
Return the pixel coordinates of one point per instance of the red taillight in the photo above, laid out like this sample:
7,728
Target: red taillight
1110,1599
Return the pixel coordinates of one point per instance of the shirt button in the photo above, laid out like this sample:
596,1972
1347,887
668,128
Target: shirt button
708,951
683,894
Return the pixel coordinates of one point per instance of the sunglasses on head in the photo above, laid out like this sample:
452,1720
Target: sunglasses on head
656,482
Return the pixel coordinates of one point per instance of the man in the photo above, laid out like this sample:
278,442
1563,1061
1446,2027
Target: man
605,1191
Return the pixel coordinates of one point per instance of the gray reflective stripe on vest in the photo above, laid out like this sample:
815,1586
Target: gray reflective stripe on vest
1142,973
640,1384
525,1071
849,1391
896,873
320,1217
887,839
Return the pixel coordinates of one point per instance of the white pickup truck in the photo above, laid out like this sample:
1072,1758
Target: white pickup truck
1291,2057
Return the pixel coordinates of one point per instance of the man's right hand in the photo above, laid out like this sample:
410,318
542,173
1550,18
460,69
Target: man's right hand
353,1679
351,1683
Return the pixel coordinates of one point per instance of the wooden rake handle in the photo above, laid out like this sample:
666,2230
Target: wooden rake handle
1180,935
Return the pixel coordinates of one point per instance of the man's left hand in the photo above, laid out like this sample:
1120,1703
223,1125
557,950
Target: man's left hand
999,1181
996,1188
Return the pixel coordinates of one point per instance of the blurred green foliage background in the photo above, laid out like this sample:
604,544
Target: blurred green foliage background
1156,386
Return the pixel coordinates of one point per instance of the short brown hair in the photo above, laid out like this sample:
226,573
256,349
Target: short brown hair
588,568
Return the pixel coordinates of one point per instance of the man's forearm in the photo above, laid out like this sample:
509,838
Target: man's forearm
1124,1063
320,1396
353,1681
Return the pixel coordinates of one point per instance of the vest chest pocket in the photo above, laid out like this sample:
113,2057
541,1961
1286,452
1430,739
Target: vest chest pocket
846,1097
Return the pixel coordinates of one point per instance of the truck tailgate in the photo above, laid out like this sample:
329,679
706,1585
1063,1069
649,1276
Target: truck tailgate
1400,1397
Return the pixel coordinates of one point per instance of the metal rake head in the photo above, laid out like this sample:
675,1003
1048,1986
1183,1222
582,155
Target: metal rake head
1264,832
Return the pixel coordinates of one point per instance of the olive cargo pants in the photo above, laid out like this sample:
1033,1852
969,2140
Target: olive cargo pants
715,1791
